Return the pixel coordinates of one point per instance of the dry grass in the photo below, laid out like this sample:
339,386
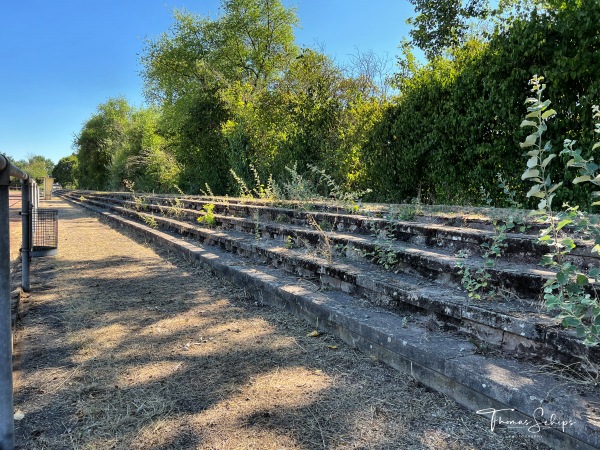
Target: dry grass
128,347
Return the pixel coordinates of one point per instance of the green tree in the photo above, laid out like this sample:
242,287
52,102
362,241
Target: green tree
442,24
65,171
143,157
255,39
202,69
99,140
452,128
36,166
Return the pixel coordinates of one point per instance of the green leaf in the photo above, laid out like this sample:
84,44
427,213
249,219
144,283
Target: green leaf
568,243
552,301
542,204
531,173
529,141
562,278
532,162
581,179
528,123
548,159
582,280
555,187
548,113
571,322
573,289
535,191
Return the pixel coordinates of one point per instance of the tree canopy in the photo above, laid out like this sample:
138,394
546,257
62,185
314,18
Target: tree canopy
65,171
233,98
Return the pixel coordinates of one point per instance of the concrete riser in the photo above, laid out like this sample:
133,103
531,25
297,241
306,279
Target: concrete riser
523,338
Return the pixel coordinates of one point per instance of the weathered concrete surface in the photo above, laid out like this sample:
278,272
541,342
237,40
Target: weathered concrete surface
516,327
444,362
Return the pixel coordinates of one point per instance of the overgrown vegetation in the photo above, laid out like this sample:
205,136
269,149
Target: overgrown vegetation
208,216
572,291
237,108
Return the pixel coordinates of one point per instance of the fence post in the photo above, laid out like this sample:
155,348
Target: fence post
7,418
7,425
26,190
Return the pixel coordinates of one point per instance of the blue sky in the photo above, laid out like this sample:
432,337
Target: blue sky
60,59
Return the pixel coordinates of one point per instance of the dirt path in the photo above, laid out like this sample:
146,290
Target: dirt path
129,347
14,218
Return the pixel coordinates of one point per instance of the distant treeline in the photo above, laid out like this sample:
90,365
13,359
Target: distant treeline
236,94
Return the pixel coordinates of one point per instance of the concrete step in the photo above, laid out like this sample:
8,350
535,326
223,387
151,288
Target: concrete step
468,237
563,415
519,277
518,328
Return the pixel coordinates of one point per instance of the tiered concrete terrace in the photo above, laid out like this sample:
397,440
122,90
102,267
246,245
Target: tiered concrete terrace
415,316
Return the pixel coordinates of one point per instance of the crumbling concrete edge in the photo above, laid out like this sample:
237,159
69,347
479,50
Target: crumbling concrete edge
439,362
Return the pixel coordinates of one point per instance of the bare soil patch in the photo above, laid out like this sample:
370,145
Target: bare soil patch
127,346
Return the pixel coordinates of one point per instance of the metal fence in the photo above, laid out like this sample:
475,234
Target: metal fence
28,197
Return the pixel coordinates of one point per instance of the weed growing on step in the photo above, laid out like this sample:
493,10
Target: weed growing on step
175,208
583,372
324,248
341,249
180,192
149,220
129,185
140,203
475,281
297,187
485,196
260,191
257,233
383,252
406,212
289,242
281,218
509,193
207,192
208,217
350,200
244,191
572,291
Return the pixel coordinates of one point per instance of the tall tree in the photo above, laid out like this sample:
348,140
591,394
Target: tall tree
440,25
100,138
255,39
203,68
143,158
65,171
36,166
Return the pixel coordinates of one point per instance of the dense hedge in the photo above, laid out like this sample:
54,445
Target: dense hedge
456,123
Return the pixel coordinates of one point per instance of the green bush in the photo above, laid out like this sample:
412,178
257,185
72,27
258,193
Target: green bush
452,128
